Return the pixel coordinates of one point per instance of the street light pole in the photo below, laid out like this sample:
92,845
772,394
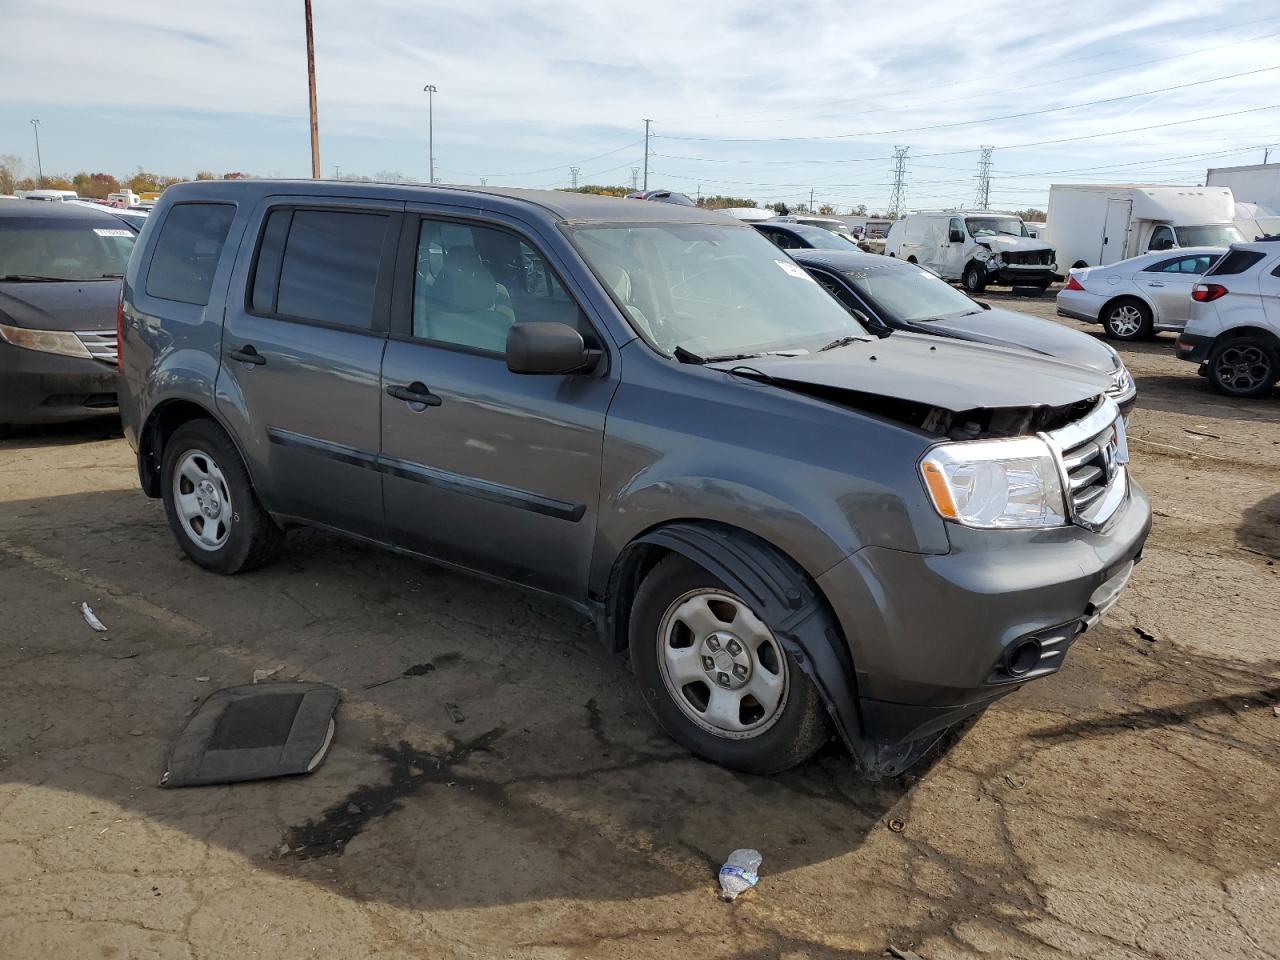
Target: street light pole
646,154
430,90
35,125
311,90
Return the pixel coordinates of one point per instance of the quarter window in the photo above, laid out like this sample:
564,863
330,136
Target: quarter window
1188,265
472,283
1236,261
187,251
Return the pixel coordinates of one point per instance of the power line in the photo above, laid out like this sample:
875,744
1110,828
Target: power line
560,166
969,123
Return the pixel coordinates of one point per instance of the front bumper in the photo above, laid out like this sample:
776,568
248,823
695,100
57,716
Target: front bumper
1021,276
40,387
933,636
1193,348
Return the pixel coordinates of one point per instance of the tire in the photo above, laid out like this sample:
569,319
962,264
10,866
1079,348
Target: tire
912,260
974,278
209,500
1127,319
772,736
1246,367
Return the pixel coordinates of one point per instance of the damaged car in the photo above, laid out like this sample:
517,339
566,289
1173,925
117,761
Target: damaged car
976,247
791,526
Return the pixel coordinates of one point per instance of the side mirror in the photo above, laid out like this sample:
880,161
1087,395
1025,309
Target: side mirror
983,304
548,348
955,236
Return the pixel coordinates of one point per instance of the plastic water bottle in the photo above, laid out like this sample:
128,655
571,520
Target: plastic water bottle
739,873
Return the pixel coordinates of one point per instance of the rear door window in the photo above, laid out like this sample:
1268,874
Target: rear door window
320,266
187,251
1196,265
1235,261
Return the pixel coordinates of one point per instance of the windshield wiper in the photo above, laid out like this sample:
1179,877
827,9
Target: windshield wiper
687,356
32,278
842,342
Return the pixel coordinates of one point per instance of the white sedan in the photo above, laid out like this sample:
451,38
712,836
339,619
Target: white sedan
1134,298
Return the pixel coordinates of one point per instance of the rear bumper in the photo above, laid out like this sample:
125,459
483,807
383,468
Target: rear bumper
937,638
1193,348
46,388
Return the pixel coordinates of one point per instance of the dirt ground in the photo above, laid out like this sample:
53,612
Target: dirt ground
512,798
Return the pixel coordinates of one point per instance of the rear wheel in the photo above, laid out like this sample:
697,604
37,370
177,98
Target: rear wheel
210,503
1244,367
715,677
974,278
1127,320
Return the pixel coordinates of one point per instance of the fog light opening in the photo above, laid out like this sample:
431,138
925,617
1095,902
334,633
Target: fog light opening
1023,657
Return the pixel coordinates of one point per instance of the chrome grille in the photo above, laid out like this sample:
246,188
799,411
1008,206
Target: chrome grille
1093,453
101,344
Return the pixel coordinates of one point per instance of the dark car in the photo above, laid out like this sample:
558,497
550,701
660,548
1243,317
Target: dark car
60,270
647,411
801,236
662,196
890,294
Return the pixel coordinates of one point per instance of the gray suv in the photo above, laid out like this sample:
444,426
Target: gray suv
648,411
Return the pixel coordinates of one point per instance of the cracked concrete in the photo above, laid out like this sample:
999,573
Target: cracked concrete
1124,809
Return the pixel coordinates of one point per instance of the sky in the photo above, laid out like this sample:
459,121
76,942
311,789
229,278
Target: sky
759,100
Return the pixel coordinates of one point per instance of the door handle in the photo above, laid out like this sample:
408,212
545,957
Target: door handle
416,392
1151,283
247,354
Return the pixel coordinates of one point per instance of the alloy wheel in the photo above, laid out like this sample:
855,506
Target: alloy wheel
1243,368
721,665
1125,320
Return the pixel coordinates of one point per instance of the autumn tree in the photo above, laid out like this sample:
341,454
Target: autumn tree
598,189
205,175
721,202
826,209
94,185
10,173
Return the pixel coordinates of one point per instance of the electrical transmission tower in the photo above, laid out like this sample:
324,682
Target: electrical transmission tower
982,199
573,176
635,179
897,199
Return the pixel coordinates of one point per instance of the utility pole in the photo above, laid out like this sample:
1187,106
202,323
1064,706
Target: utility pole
897,199
573,177
430,91
40,165
635,179
311,90
337,172
811,207
1266,151
983,196
646,153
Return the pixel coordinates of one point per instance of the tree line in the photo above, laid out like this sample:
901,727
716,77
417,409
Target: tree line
14,176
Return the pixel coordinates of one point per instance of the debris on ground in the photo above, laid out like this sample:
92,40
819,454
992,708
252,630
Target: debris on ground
1145,634
902,954
91,619
455,713
896,824
1008,778
740,873
260,675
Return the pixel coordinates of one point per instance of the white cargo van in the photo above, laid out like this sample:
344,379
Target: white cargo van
1092,225
976,247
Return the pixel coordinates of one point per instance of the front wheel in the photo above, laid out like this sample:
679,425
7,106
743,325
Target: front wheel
974,278
210,503
715,677
1245,367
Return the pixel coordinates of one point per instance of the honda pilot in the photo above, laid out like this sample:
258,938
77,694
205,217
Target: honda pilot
792,526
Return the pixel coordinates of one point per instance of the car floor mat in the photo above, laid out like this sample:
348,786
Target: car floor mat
254,732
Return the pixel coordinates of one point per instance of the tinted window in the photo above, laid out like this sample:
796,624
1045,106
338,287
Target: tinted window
1187,265
63,249
1236,261
1161,239
266,272
187,251
472,283
782,239
329,270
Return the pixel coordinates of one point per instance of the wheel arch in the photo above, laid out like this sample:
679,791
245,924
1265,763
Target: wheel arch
161,423
1120,297
780,591
1240,333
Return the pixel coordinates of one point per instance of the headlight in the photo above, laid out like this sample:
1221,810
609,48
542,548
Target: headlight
46,341
995,483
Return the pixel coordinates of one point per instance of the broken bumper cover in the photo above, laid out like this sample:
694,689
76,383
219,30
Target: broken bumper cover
1018,276
40,387
937,638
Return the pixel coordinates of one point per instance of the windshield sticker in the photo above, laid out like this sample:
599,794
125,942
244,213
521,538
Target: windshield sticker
795,270
112,233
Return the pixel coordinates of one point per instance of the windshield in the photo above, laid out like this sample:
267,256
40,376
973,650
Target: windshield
1209,235
818,238
906,293
995,226
715,291
49,249
835,226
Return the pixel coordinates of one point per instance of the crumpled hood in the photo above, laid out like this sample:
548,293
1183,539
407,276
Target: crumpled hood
1003,244
73,305
954,375
1006,328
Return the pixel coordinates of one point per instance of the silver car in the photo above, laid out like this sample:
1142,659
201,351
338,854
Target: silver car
1134,298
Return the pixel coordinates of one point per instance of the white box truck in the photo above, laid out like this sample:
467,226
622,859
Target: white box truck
1092,225
1256,189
